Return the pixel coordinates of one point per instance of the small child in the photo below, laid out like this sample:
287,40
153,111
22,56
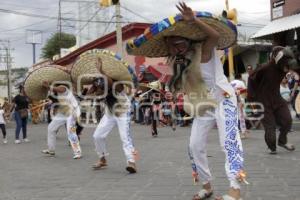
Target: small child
2,125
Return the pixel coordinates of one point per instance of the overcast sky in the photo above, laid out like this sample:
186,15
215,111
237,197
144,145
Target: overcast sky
252,15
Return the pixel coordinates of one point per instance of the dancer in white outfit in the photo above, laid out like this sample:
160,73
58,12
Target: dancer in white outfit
117,113
66,113
122,121
198,72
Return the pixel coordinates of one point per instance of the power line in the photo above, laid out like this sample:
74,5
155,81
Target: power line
107,26
94,15
87,6
137,14
56,18
21,27
23,6
50,30
25,14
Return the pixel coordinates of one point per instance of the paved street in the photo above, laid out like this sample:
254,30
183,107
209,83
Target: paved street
164,169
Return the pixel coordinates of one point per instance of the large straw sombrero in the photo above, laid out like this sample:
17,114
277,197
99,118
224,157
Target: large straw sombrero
33,81
85,67
152,44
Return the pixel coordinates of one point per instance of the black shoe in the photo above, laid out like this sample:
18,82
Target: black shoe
154,133
273,152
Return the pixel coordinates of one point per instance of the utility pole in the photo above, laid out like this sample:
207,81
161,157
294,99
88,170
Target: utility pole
59,26
7,60
119,29
78,25
117,4
33,53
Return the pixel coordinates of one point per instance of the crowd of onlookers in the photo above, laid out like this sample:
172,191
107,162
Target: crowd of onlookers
289,89
168,109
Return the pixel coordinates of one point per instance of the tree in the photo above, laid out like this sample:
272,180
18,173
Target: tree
56,42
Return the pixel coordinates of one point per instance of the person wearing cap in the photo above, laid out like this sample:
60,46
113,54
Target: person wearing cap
190,44
66,113
117,113
276,111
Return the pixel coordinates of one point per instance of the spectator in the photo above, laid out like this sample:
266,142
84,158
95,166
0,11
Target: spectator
293,84
2,124
284,90
249,69
90,111
21,105
180,111
168,110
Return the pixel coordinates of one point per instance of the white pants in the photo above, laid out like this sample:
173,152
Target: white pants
105,125
226,117
58,121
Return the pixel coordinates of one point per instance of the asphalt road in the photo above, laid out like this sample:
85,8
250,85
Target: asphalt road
164,171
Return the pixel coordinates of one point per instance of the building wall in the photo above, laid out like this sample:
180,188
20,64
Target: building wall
288,8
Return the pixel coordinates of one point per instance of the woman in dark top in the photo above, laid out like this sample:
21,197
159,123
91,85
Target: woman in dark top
21,114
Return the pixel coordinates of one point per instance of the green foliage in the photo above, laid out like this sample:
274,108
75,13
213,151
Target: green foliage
56,42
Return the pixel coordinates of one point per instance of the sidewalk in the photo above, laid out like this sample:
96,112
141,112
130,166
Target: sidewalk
164,169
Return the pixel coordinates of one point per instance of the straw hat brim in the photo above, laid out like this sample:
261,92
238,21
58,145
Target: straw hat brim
112,65
297,104
152,42
144,87
33,82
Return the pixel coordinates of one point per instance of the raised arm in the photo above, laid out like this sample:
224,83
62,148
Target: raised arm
99,67
212,35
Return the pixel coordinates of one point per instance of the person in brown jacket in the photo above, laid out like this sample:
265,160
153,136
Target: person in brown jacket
264,87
